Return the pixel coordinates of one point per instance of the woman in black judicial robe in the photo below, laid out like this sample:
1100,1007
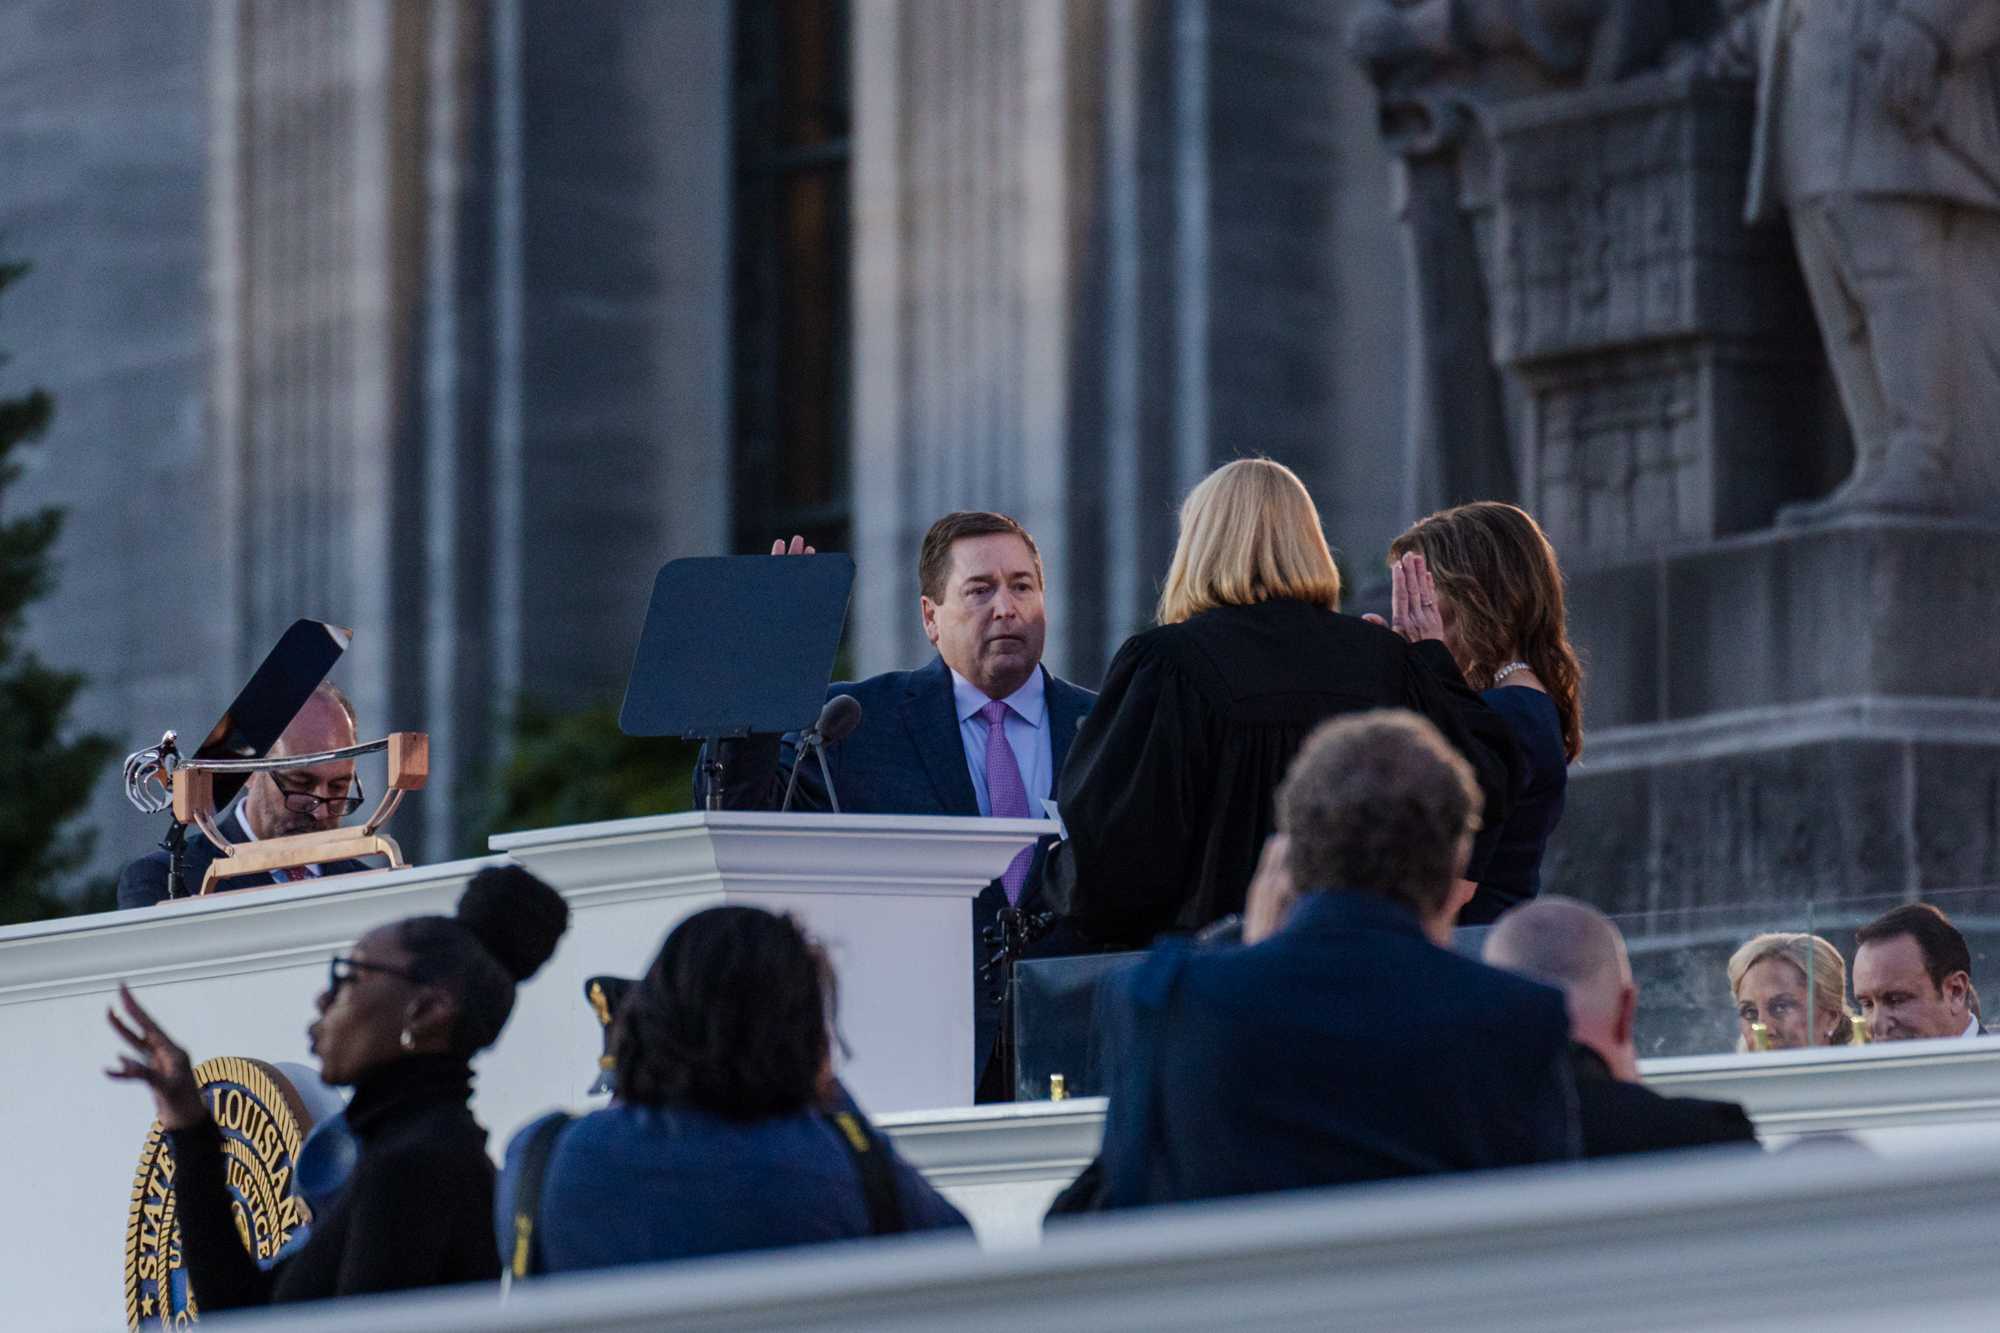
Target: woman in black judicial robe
400,1020
1167,792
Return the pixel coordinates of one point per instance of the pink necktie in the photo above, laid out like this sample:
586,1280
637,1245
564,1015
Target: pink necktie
1006,793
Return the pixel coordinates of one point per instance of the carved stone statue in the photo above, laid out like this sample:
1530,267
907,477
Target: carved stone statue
1878,129
1441,66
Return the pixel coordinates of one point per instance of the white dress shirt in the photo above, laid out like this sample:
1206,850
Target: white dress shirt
1027,732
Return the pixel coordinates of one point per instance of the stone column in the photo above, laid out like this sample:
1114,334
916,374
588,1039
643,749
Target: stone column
1096,250
322,410
472,330
962,265
104,109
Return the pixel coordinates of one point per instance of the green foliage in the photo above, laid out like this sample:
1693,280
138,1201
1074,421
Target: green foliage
46,772
576,768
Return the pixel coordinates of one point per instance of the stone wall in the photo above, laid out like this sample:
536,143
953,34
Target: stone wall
1674,383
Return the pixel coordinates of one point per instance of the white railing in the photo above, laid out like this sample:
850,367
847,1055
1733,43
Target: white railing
1821,1240
236,975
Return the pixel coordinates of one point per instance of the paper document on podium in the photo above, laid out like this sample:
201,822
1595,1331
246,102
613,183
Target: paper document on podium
1049,809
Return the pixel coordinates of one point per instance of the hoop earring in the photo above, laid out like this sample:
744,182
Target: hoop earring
409,1042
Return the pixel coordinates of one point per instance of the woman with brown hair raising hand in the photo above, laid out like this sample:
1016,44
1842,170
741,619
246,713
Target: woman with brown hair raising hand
1483,579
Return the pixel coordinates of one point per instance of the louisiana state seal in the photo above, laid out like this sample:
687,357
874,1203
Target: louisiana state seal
263,1121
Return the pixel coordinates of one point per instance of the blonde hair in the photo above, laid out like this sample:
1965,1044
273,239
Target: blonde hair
1248,533
1819,962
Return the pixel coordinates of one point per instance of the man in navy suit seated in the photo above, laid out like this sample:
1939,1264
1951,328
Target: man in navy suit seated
274,805
1346,1042
982,729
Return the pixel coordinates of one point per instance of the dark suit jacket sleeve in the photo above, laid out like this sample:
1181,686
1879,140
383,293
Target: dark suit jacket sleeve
1435,689
1129,801
1555,1125
143,882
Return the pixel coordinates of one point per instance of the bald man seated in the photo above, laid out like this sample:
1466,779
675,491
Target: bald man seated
273,805
1576,949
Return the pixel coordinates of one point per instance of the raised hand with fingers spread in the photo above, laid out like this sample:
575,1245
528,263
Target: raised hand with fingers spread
163,1066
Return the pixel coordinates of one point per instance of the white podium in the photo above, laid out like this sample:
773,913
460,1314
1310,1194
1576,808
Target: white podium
889,895
237,973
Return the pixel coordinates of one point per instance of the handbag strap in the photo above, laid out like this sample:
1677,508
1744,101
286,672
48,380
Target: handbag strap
878,1173
534,1170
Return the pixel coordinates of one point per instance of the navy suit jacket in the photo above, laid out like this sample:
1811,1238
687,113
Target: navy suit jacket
907,758
144,882
1345,1048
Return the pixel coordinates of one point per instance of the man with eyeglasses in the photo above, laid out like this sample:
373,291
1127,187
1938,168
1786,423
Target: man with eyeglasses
274,805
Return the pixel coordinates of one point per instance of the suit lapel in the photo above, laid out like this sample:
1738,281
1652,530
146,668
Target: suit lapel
930,717
1067,706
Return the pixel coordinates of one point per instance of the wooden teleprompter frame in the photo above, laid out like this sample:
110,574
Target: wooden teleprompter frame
193,782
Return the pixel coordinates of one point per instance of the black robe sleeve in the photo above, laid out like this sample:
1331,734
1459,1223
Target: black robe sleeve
220,1270
1435,688
1131,795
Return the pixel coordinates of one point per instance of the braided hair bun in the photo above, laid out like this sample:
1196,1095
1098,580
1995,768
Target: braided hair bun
517,917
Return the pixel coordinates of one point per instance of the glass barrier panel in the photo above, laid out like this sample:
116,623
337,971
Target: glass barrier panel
1680,962
1689,1002
1054,1024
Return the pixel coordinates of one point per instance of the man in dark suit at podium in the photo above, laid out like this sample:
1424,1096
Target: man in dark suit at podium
274,805
1574,947
981,730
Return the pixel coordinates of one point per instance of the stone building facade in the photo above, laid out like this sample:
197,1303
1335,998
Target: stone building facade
440,319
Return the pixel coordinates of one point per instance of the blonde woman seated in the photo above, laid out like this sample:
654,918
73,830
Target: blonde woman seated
1167,791
1777,1008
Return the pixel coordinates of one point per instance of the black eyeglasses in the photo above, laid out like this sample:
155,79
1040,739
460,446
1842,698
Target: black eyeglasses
340,971
305,803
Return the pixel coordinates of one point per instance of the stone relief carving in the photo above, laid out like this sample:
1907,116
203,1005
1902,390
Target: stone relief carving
1441,68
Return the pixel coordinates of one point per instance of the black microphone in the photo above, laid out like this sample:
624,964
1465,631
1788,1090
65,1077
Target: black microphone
835,723
838,719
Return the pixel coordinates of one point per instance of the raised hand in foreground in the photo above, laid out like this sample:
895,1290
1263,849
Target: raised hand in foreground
160,1064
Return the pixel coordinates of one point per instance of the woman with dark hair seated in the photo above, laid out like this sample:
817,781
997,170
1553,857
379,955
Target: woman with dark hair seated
400,1020
728,1132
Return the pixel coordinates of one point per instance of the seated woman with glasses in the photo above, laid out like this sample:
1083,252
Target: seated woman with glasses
728,1131
400,1020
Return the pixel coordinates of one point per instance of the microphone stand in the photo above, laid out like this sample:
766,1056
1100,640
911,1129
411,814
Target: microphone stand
711,773
1010,937
810,741
175,846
